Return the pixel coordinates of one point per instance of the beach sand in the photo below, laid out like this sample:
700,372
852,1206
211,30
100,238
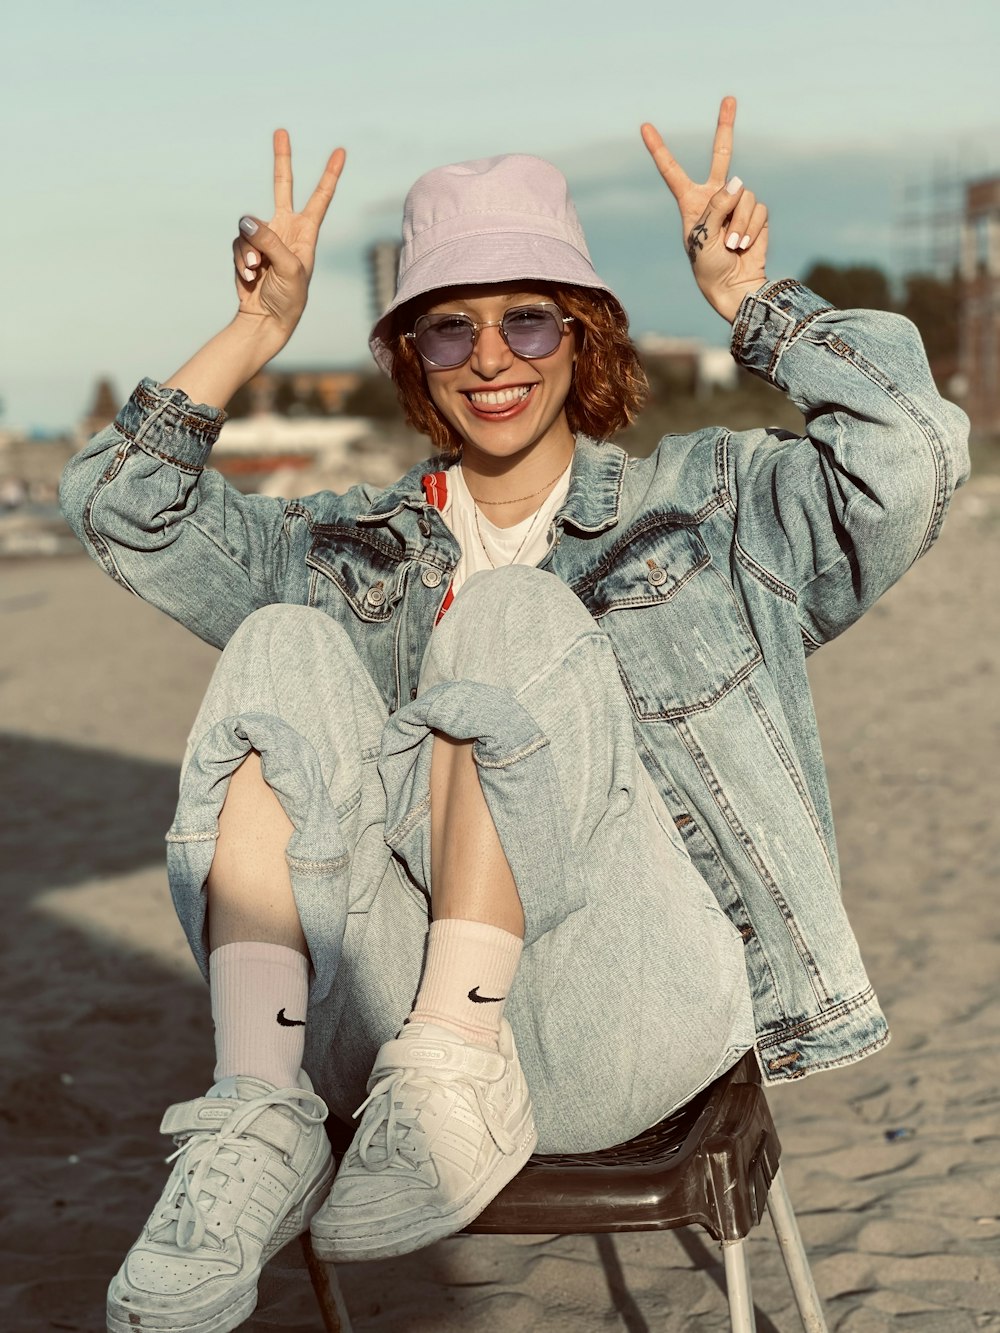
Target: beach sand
893,1164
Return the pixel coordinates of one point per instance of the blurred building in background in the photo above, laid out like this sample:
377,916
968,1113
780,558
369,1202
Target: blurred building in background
102,410
686,366
294,393
383,265
979,325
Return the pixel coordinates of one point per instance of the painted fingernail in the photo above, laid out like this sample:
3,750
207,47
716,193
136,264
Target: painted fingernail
248,226
732,240
745,242
734,186
248,274
251,257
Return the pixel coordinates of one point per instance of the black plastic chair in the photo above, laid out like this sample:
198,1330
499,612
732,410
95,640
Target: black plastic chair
713,1163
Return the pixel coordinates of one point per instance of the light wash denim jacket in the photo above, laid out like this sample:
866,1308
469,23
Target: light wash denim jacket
715,566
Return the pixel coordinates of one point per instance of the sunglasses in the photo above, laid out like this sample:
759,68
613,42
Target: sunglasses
530,331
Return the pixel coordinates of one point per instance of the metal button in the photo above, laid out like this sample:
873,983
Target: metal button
657,576
375,596
424,526
430,577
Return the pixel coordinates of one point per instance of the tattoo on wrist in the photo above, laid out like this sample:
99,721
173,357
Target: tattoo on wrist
696,241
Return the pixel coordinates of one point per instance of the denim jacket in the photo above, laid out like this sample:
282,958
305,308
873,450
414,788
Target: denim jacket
715,567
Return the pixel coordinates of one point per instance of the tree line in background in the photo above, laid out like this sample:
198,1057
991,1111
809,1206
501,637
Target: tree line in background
932,303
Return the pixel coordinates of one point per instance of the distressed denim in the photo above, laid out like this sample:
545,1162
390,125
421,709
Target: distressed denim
713,567
631,993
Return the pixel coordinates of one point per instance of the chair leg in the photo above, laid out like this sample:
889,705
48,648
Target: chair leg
779,1205
329,1297
741,1315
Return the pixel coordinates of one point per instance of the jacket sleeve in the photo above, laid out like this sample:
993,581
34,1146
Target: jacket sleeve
143,504
833,519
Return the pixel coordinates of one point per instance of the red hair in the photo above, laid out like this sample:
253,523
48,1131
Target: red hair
609,383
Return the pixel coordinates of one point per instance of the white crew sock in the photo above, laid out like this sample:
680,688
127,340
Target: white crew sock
259,996
467,974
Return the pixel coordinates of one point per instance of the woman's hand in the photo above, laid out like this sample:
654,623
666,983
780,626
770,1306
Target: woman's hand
274,261
273,266
724,227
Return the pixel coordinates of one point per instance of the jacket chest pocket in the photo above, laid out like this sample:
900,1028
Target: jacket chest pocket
678,633
361,584
360,576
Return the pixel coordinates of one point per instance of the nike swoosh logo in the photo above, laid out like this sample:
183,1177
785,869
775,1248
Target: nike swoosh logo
476,998
290,1022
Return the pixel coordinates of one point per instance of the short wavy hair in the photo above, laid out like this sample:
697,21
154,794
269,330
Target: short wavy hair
609,383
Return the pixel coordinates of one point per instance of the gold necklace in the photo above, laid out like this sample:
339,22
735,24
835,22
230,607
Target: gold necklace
524,540
521,498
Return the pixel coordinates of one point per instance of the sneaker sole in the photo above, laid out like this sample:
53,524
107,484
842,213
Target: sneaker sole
126,1319
348,1249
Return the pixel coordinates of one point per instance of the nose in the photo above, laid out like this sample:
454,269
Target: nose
491,355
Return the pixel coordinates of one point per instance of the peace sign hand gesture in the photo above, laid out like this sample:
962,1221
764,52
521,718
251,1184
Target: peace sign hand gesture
725,228
275,261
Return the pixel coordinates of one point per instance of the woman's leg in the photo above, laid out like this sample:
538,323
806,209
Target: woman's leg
249,887
258,967
277,841
470,875
631,992
475,938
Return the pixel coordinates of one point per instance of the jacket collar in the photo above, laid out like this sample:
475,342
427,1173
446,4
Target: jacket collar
592,504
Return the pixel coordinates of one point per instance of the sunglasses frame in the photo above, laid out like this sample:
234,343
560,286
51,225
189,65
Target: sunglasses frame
478,325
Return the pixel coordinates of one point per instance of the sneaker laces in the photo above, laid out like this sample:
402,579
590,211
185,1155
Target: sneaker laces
391,1133
209,1160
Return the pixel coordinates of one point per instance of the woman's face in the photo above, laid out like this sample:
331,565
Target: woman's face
499,403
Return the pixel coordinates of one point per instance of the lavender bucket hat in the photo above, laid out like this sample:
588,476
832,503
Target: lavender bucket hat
495,219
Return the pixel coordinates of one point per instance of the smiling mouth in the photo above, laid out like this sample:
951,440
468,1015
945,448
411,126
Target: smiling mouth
499,403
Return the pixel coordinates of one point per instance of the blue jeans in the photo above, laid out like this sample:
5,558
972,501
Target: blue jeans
632,991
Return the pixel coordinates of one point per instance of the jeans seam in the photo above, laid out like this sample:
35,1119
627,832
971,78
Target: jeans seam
532,747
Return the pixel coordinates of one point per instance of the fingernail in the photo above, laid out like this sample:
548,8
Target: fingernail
745,242
732,240
734,186
248,274
251,257
248,226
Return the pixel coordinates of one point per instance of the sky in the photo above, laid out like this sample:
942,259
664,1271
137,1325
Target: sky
135,136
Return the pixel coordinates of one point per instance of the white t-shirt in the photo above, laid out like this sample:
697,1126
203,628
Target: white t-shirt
484,545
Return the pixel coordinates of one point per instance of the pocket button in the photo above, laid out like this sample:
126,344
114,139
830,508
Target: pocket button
430,577
657,576
375,596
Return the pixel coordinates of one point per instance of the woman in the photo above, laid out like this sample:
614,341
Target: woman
521,746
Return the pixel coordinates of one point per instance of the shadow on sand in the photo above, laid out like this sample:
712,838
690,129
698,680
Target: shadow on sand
116,1035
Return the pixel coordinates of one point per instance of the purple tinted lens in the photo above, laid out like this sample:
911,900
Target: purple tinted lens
532,331
445,341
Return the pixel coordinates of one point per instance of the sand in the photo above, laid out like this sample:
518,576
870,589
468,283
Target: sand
893,1164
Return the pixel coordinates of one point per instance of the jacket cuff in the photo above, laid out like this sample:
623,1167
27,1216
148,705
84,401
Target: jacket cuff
168,425
770,320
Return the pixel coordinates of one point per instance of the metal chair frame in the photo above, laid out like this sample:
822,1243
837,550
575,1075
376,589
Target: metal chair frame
713,1163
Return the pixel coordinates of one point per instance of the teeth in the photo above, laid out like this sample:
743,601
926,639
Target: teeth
496,397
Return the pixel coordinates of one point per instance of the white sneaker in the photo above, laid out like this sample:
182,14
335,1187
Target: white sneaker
445,1126
253,1164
